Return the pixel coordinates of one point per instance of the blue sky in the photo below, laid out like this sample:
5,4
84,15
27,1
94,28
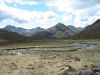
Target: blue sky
46,13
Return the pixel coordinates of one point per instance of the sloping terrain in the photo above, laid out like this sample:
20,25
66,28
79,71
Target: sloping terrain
90,32
42,35
11,36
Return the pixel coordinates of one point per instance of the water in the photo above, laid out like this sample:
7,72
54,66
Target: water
81,46
49,50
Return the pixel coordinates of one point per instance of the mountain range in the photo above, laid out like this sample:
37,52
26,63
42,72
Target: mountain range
22,31
57,31
12,33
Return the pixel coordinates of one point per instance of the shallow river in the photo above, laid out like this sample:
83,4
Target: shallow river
83,46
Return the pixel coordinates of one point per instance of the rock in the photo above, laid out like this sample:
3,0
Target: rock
87,72
63,72
68,68
96,69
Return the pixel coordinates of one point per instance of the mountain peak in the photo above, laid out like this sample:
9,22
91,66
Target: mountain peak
38,28
97,21
60,24
9,26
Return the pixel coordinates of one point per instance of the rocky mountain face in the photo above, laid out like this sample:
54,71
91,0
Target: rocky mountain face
60,30
90,32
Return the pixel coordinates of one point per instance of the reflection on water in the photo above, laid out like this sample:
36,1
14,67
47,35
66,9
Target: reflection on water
81,46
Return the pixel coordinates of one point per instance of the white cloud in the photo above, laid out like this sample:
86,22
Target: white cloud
76,12
82,9
33,18
23,2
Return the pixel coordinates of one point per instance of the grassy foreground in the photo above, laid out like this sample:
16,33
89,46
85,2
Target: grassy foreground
48,63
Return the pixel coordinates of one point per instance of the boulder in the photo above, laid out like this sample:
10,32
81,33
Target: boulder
68,68
87,72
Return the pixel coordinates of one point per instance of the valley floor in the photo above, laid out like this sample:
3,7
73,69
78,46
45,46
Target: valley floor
46,57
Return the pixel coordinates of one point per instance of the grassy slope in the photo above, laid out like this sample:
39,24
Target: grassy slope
90,32
11,36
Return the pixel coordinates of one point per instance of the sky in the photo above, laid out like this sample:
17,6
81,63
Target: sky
46,13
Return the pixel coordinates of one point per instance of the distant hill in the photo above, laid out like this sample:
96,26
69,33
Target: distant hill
62,31
90,32
11,36
22,31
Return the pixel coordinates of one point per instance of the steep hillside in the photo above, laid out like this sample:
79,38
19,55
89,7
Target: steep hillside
90,32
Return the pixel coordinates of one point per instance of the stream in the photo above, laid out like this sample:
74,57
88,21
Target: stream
48,50
83,46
